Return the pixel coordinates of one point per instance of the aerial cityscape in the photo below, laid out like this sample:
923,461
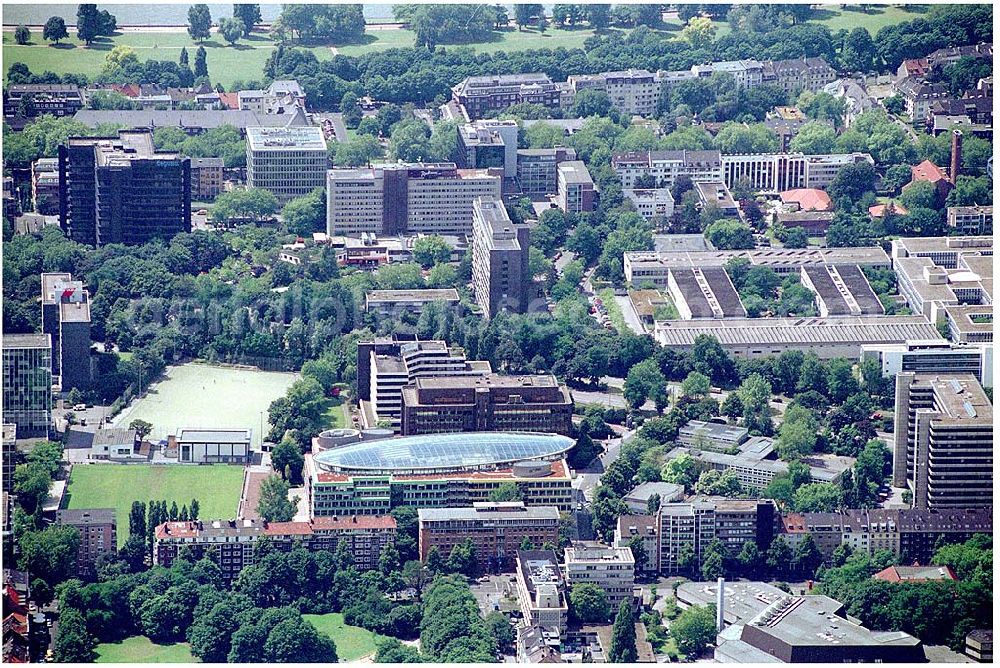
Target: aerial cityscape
497,333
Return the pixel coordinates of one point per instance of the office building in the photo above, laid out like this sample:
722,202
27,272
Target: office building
435,198
943,450
632,92
971,220
289,162
651,203
10,455
480,95
66,318
930,357
441,404
778,172
121,190
206,178
397,302
385,366
27,383
231,543
712,435
488,143
98,535
54,99
694,526
575,187
45,186
496,529
438,471
812,629
541,590
948,279
612,569
755,464
537,169
212,446
660,169
501,279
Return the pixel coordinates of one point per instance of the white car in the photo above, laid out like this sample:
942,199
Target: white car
80,407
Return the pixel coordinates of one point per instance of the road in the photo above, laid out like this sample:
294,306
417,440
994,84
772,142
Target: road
628,312
564,259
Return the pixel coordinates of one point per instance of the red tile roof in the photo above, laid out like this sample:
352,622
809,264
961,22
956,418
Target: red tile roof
878,211
808,199
230,100
928,171
177,530
793,523
915,573
288,529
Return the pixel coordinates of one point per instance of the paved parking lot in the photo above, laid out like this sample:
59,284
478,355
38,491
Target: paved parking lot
490,594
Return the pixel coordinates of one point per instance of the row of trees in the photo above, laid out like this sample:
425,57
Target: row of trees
936,611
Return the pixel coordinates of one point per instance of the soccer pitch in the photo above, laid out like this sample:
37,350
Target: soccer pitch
200,395
217,488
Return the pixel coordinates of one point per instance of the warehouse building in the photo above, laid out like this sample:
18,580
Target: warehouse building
827,337
654,266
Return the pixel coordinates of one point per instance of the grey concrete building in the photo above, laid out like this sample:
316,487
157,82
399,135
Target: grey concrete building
290,162
501,278
943,450
66,318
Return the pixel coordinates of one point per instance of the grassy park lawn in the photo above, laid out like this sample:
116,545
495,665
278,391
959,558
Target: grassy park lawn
353,642
336,414
217,488
877,17
226,64
140,649
202,395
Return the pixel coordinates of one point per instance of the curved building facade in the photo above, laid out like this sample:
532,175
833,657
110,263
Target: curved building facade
438,471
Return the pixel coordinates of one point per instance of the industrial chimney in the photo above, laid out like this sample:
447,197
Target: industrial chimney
956,154
720,604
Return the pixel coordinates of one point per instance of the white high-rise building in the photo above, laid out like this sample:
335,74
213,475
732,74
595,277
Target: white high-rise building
290,162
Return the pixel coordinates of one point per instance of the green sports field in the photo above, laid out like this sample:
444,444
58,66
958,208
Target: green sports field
353,642
216,487
140,649
201,395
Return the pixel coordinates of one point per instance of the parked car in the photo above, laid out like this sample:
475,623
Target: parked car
80,407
